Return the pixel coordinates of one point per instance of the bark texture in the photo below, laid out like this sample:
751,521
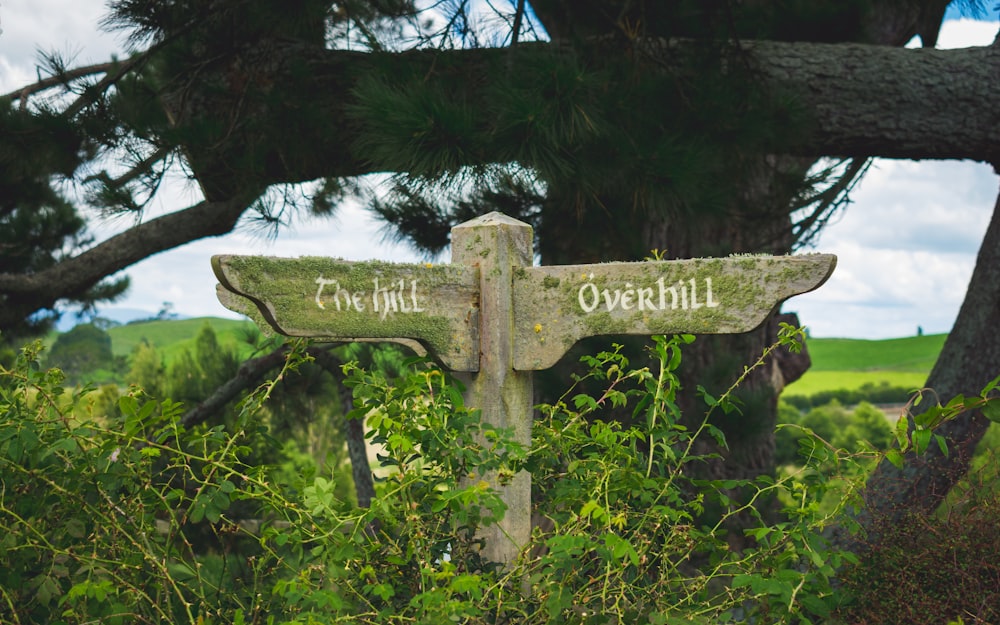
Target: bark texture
860,100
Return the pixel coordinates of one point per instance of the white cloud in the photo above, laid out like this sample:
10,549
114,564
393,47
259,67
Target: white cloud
907,244
68,27
906,248
965,33
898,206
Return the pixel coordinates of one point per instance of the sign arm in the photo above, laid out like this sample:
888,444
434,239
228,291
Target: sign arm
494,317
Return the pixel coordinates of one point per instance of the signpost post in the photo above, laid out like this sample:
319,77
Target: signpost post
496,318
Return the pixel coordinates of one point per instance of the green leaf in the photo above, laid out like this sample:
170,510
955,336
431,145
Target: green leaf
942,444
709,400
48,590
621,548
197,512
128,404
815,605
64,444
146,410
583,401
991,410
895,457
902,431
741,580
212,513
465,583
439,504
75,528
644,400
989,387
921,439
930,417
592,509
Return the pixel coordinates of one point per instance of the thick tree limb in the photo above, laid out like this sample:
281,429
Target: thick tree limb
890,102
23,294
862,100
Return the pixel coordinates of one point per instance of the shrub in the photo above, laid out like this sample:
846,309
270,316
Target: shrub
865,427
147,522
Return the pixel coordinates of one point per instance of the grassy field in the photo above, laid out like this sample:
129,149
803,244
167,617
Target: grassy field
850,363
837,363
173,336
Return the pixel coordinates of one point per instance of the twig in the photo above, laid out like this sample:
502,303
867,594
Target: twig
59,80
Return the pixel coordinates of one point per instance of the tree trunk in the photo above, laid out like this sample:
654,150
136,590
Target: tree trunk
357,451
354,434
969,360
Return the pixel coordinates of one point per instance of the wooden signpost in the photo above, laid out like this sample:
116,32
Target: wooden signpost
495,317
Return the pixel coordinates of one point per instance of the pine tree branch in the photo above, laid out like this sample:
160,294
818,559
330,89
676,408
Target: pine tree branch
23,294
139,169
859,101
828,201
114,70
515,31
105,83
58,80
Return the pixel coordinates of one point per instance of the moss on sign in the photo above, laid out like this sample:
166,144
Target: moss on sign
333,299
556,306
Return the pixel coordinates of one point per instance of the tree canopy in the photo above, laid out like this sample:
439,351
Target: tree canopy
429,93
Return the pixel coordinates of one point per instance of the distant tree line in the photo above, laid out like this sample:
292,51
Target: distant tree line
875,393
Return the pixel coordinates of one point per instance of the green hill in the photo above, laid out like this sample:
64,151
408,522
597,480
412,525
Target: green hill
850,363
913,354
171,337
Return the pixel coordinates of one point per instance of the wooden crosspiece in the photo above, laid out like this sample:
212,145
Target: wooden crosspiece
495,318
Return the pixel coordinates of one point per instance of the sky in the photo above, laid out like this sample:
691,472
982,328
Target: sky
906,245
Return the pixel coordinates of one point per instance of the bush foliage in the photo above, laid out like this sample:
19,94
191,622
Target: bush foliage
132,518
